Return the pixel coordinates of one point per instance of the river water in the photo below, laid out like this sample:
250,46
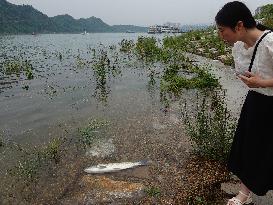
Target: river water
64,91
67,92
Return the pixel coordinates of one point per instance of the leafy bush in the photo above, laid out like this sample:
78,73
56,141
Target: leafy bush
126,45
211,129
174,82
205,43
147,49
265,12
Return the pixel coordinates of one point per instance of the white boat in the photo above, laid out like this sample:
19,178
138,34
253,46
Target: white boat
164,29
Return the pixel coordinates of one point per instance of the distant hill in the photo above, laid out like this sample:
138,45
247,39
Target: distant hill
20,19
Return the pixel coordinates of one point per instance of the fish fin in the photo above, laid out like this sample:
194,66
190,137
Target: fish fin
143,162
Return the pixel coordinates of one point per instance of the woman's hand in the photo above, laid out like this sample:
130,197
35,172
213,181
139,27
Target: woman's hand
252,80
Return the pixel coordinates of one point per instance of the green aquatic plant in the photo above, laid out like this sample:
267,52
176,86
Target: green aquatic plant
93,52
147,49
27,67
80,62
25,87
174,81
60,56
101,71
167,55
33,160
152,81
126,45
29,74
12,67
2,142
17,66
28,169
113,47
89,133
53,150
170,42
105,69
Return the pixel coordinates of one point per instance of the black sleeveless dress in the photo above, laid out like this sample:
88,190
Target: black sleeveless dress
251,155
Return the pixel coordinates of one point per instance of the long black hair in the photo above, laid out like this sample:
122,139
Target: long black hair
235,11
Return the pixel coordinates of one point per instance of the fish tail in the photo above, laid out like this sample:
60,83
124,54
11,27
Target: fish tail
143,162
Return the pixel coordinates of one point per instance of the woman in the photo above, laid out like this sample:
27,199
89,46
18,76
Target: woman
251,155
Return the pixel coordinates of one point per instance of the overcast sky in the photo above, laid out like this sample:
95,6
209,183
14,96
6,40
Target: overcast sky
138,12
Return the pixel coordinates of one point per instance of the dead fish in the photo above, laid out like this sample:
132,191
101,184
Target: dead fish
114,167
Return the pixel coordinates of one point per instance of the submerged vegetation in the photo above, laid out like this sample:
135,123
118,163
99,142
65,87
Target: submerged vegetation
91,132
16,66
2,143
126,45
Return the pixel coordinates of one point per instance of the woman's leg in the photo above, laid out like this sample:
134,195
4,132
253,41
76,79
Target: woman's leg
242,197
244,189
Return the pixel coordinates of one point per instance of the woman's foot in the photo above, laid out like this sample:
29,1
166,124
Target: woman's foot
242,197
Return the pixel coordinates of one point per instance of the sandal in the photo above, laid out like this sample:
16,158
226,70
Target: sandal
238,202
